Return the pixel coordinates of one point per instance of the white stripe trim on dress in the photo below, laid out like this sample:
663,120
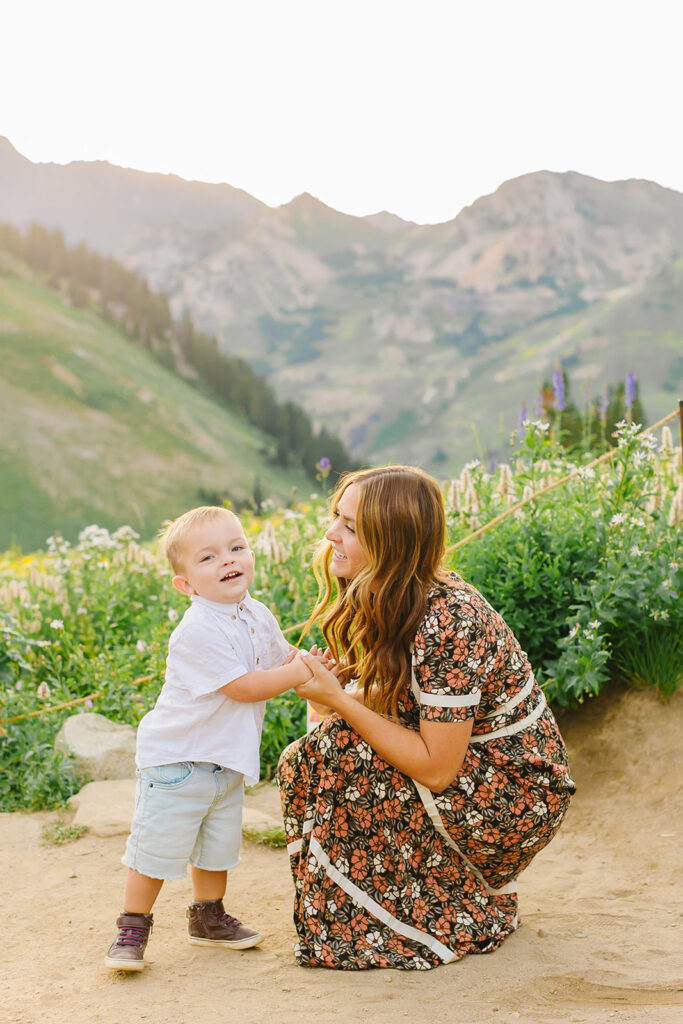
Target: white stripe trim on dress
432,810
440,700
295,846
522,695
510,730
361,898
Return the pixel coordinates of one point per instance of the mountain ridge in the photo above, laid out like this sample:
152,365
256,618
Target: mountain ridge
385,335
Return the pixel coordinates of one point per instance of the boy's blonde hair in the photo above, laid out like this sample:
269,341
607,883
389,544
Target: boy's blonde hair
174,535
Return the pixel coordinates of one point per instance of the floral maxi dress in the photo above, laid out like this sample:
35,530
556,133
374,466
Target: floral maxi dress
389,874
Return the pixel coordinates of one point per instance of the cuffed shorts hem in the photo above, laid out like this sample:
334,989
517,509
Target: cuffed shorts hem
185,813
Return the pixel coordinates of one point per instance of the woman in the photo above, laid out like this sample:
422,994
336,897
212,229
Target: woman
412,809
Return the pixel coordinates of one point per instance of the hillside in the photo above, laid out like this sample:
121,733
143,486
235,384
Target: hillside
400,336
95,431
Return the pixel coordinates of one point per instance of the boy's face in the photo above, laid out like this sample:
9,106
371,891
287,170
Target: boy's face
217,562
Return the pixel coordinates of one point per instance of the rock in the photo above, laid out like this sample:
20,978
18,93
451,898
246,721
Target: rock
102,749
105,808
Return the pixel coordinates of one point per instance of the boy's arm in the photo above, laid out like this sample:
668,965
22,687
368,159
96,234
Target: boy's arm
265,683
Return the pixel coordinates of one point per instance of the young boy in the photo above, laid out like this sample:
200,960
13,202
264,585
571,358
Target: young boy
201,741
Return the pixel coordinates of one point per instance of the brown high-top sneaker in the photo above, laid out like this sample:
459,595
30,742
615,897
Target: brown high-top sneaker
126,952
209,925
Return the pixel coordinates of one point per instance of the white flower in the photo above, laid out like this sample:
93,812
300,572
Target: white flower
635,551
172,614
587,473
125,533
573,631
617,519
636,521
56,624
473,464
43,691
141,646
595,624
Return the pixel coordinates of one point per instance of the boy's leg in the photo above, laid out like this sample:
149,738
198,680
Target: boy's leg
140,893
218,842
208,885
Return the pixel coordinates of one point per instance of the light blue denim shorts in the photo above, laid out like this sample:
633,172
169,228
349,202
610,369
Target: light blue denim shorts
187,812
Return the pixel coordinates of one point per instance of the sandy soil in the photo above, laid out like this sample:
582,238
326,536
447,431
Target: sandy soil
601,913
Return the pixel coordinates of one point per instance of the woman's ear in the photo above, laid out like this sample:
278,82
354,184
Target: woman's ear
182,584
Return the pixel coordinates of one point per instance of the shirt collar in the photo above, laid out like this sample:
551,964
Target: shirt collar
220,607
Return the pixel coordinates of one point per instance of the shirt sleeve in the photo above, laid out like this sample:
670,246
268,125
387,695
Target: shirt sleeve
278,647
450,660
202,660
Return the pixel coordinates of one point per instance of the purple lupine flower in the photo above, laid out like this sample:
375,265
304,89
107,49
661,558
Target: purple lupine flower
630,392
558,391
603,405
325,463
523,415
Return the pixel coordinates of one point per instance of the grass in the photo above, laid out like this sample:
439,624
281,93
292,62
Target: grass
56,833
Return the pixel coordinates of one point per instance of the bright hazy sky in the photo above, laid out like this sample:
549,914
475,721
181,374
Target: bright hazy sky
414,107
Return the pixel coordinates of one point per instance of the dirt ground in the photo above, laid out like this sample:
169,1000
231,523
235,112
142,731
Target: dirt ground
601,912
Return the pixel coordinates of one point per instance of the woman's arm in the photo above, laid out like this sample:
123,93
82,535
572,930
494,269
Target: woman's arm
433,756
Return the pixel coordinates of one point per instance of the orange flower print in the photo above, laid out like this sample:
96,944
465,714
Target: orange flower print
359,864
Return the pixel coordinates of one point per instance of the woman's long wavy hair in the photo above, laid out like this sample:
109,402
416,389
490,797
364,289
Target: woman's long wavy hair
369,622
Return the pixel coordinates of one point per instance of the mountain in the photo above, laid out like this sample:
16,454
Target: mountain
94,430
399,337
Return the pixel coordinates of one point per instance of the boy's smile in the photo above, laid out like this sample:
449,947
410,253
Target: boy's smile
217,563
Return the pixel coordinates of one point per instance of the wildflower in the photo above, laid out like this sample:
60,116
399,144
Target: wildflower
453,496
595,624
95,537
505,485
617,519
586,473
523,418
636,521
88,703
676,510
667,445
18,685
43,691
141,646
603,406
558,390
630,391
125,533
81,611
573,631
172,614
324,464
635,551
56,624
659,614
473,464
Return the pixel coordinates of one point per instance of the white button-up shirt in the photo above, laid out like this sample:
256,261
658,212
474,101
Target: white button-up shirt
192,720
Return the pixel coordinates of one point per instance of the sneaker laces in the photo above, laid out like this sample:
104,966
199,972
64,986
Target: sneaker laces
229,920
131,936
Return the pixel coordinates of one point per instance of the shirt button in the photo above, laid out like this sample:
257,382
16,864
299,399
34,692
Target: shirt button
258,660
241,607
233,616
252,629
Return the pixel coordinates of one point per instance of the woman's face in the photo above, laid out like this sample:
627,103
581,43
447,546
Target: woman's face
348,557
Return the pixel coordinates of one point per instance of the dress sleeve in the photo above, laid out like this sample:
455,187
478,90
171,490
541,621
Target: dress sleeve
449,659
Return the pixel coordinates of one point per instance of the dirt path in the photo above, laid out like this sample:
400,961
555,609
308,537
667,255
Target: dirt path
601,914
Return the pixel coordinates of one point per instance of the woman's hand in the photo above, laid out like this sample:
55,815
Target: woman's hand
323,687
